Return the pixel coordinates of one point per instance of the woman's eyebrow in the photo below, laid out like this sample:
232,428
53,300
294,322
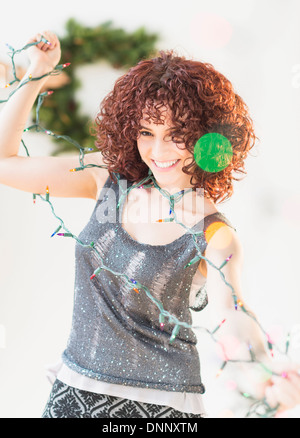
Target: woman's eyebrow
149,129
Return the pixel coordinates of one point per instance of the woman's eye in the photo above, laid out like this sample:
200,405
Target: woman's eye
145,133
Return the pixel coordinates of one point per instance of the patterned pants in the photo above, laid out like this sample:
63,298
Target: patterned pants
68,402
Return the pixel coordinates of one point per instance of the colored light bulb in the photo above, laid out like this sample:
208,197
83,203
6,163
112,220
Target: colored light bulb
218,327
174,333
225,261
96,272
221,369
56,231
161,321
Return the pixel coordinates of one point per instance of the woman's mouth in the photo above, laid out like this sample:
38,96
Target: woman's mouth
165,165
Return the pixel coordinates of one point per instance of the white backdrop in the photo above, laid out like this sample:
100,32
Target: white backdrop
256,45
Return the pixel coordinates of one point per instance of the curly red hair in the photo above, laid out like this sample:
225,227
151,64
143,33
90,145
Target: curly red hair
200,99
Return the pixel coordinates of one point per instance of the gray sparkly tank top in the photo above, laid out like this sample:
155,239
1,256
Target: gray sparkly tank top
116,335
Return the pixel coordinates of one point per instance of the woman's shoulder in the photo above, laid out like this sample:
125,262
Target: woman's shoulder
98,168
222,240
212,214
220,232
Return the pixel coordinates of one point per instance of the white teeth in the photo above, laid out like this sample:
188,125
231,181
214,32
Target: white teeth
165,163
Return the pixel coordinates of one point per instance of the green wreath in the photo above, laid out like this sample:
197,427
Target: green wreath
83,45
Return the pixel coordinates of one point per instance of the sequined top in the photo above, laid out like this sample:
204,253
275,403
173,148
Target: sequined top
116,335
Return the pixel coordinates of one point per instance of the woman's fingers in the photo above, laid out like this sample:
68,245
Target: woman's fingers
46,51
285,395
284,391
271,397
46,40
295,380
38,38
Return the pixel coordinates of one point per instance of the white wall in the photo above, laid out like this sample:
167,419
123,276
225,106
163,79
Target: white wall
262,58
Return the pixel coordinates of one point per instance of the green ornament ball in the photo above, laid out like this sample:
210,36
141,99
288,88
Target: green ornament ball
213,152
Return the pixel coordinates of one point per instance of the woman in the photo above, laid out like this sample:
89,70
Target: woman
131,350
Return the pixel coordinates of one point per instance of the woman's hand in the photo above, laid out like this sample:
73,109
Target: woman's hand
14,116
284,391
46,55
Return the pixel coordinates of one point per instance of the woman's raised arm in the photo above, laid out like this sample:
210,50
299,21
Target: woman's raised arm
34,174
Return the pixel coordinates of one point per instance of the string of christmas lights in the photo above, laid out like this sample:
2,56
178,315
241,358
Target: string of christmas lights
258,408
30,78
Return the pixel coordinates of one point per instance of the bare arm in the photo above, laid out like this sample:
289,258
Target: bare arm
222,306
241,330
34,174
43,59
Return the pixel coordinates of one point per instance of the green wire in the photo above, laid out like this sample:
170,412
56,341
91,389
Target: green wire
258,404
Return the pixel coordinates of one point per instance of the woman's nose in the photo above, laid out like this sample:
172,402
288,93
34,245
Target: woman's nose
159,148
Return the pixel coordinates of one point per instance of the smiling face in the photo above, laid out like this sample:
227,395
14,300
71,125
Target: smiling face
162,155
